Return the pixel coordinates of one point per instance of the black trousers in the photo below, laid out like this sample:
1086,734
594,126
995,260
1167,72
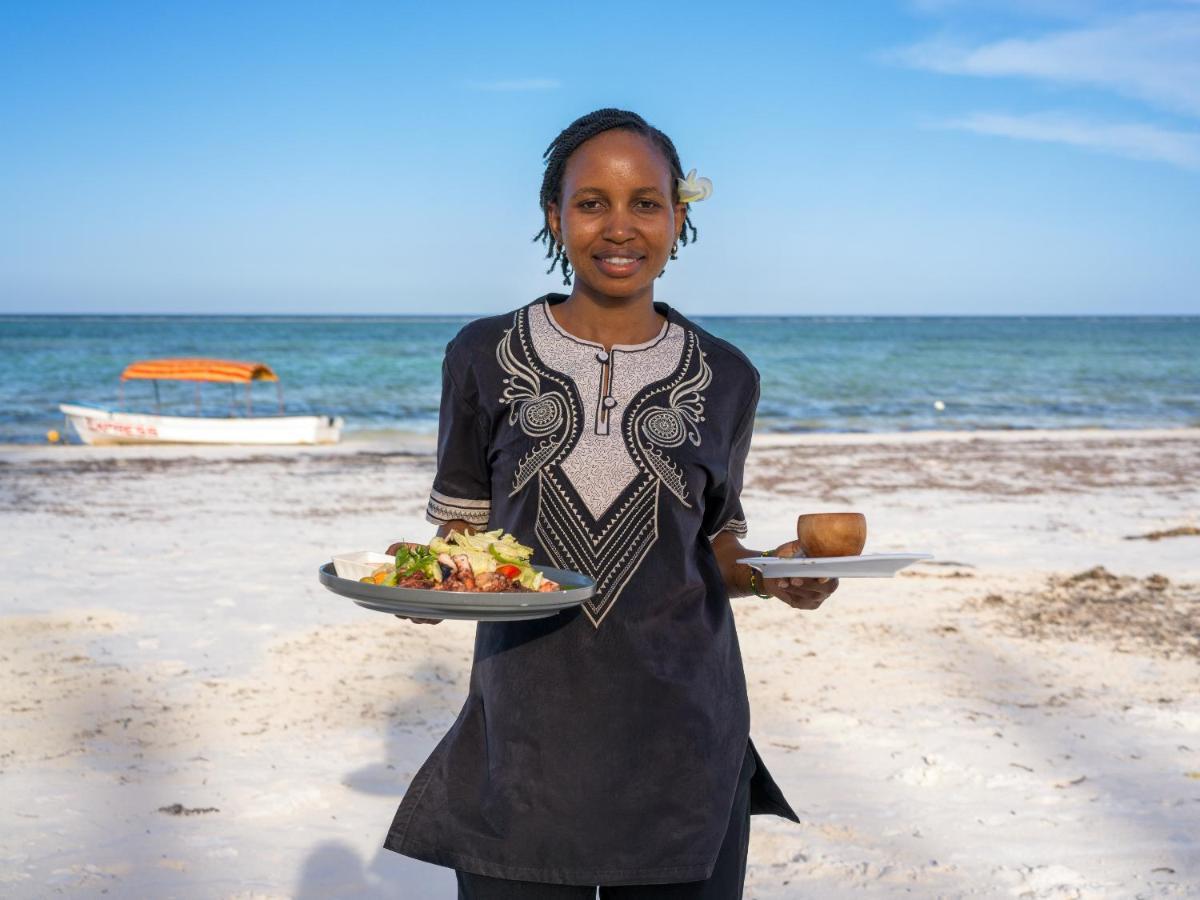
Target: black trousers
725,883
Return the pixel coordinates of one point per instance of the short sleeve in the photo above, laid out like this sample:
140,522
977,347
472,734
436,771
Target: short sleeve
723,500
462,485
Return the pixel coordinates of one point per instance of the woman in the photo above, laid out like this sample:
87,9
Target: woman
610,745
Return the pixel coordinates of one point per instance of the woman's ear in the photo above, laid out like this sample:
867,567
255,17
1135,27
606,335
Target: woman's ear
555,222
681,211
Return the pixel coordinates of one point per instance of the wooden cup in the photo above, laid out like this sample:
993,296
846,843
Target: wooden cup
832,534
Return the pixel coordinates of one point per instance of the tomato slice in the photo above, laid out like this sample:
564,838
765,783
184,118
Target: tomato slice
509,571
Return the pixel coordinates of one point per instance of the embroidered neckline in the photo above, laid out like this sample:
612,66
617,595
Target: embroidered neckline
598,491
624,348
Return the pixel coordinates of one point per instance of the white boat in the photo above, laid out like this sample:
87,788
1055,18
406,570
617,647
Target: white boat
97,425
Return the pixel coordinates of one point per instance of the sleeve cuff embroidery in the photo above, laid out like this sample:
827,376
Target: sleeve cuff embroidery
736,526
442,509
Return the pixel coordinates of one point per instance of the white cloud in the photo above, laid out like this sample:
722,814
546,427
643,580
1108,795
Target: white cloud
1128,139
1081,10
517,84
1052,8
1153,57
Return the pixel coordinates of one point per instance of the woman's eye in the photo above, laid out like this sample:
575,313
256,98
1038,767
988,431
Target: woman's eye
647,204
589,204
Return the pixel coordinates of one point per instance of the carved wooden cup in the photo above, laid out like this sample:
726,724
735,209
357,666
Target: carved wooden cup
832,534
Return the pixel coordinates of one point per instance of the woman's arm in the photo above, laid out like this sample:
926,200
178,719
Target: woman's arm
799,593
456,525
728,550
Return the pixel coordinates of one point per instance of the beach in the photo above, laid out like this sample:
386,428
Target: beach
188,713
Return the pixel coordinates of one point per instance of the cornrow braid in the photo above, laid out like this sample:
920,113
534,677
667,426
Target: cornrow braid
567,142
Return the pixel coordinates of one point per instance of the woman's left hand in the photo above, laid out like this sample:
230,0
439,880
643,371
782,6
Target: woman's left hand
798,593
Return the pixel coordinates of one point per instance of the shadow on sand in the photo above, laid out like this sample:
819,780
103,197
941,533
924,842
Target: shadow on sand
334,868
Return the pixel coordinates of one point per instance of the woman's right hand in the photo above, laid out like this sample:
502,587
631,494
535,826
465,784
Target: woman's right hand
421,621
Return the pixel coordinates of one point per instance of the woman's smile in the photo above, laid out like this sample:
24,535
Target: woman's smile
619,263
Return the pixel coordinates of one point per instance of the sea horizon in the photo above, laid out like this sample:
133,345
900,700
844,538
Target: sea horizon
697,316
819,373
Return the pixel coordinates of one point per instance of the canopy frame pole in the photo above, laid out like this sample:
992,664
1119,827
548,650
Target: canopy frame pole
197,398
279,391
249,401
232,399
157,398
121,394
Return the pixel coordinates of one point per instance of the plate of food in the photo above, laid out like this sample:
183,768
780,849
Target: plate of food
486,576
870,565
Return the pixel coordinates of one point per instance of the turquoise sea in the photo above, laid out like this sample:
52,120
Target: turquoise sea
818,374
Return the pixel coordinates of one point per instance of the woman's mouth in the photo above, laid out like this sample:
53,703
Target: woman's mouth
618,266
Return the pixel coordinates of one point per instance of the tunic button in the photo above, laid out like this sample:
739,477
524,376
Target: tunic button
609,402
602,356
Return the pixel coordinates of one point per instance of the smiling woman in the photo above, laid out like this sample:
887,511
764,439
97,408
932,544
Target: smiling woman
617,221
608,123
607,746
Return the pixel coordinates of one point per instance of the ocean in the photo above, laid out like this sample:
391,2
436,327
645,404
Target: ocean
832,374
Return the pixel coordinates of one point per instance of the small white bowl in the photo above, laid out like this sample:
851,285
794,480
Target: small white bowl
361,564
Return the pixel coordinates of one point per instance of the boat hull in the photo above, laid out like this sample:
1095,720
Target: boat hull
101,426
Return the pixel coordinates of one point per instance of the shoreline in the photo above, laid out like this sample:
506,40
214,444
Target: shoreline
424,443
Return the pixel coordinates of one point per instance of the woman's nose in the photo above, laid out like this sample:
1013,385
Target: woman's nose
619,225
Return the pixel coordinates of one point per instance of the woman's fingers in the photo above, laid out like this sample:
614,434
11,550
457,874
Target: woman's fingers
419,621
803,602
788,551
802,593
802,583
797,582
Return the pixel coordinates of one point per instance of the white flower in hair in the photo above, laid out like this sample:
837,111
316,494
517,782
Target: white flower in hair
692,188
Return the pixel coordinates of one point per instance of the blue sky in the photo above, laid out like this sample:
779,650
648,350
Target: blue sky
919,157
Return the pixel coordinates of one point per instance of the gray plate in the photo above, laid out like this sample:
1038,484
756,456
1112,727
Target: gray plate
449,605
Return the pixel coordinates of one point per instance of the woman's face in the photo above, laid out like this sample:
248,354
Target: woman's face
617,219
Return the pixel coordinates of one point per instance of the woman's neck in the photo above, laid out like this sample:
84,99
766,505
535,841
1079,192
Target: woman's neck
609,321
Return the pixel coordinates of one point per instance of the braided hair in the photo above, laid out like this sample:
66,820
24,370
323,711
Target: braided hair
567,142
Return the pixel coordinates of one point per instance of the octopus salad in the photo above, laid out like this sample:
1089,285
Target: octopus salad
486,562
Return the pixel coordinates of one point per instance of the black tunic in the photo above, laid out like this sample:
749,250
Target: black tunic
601,745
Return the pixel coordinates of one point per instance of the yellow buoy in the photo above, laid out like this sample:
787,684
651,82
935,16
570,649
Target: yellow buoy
53,436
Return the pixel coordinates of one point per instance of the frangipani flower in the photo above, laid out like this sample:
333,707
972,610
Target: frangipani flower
692,188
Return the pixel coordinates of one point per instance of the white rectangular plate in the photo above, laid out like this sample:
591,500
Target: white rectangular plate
361,563
872,565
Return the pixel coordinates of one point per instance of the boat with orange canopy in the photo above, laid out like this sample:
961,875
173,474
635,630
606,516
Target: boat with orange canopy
97,425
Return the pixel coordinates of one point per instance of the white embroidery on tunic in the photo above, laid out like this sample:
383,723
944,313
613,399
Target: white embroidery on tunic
735,525
549,416
658,427
598,492
460,501
442,509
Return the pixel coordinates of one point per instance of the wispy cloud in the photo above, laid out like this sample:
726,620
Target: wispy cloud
517,84
1151,57
1129,139
1080,10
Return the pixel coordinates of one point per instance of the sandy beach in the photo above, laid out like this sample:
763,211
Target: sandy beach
187,713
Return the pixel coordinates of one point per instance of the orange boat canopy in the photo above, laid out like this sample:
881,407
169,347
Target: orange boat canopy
225,370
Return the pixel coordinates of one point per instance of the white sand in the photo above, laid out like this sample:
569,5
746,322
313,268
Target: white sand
165,642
